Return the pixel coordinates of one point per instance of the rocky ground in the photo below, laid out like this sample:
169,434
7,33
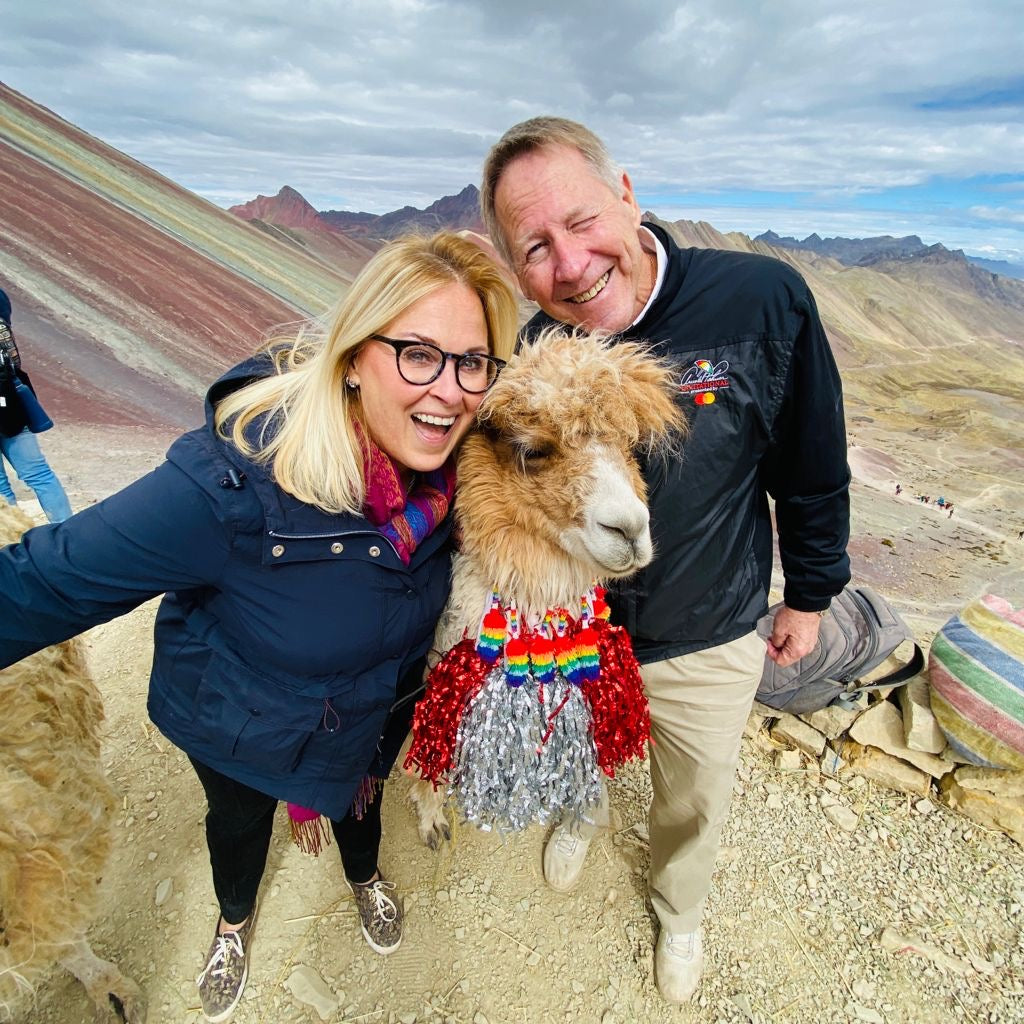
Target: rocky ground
914,916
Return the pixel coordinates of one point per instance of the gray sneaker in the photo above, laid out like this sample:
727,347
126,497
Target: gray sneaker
223,978
380,915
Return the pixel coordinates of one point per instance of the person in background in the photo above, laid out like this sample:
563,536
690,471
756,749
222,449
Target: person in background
763,397
301,538
18,445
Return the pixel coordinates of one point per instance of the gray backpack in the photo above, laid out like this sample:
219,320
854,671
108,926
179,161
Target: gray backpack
858,632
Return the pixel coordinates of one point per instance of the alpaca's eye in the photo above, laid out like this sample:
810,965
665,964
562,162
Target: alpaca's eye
534,457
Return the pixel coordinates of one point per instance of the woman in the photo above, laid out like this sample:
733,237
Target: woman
301,538
18,445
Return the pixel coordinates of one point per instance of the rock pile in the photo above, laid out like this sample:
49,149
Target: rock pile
892,738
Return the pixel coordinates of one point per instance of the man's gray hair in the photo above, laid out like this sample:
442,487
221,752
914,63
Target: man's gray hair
528,137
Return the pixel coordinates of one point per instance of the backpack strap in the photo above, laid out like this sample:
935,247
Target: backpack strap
893,678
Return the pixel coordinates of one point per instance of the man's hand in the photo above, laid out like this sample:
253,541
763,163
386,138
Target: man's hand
794,635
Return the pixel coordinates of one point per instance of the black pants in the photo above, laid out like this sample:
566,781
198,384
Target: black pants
239,822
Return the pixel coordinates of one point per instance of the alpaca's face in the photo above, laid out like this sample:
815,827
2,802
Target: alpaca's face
552,483
586,501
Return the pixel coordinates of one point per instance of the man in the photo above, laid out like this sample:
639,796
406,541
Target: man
18,445
763,398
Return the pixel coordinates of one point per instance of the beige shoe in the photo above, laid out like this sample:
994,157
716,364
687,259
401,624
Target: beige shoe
678,963
563,859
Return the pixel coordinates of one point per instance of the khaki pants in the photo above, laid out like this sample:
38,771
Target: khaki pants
700,703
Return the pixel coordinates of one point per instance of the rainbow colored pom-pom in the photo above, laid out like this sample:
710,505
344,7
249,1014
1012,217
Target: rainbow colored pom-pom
492,633
542,658
517,662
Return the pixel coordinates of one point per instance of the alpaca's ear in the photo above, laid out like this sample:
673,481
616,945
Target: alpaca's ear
649,387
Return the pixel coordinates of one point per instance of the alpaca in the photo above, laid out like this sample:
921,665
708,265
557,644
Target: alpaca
551,496
56,810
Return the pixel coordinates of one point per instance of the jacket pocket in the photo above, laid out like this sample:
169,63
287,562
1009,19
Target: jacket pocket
255,721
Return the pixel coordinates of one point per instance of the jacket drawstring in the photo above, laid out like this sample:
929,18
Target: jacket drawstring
331,720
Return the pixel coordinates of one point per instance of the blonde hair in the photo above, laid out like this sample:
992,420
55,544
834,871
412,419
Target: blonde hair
528,137
300,421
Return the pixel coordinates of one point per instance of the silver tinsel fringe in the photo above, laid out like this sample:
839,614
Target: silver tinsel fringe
515,765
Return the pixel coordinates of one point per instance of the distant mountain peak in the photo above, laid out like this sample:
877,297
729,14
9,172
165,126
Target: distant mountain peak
850,251
288,209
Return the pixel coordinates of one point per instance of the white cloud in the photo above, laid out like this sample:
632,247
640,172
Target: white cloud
374,103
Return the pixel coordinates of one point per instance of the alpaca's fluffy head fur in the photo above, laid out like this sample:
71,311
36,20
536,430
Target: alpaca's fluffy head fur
55,804
550,490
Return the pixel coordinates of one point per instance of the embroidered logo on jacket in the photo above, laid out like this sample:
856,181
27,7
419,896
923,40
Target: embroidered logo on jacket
703,379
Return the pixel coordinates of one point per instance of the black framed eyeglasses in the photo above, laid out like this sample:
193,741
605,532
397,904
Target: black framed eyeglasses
419,362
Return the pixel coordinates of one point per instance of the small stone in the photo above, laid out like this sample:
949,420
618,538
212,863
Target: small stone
1004,813
921,731
479,1018
774,802
578,987
791,730
612,897
863,990
894,942
163,891
129,821
991,780
533,959
831,763
866,1014
460,933
842,817
924,807
488,921
742,1003
310,989
151,795
832,721
788,760
151,855
872,763
152,816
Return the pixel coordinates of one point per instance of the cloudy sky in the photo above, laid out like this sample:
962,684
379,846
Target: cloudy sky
854,117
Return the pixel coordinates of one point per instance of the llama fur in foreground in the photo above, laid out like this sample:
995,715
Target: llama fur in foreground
551,495
56,813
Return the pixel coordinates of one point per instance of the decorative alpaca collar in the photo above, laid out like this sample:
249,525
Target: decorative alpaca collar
520,721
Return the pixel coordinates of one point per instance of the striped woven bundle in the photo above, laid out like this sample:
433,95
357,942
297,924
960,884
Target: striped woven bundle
976,672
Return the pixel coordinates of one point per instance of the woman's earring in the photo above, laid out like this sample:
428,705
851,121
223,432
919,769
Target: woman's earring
351,384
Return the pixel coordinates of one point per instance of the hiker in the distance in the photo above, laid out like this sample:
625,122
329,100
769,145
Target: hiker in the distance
18,444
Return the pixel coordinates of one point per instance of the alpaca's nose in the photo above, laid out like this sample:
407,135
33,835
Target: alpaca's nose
629,524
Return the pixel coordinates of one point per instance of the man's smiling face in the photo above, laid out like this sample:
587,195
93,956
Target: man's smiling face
574,241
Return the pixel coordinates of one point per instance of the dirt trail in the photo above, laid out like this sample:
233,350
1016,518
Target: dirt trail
795,919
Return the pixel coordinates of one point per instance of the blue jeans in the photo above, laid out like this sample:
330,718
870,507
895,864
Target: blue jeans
23,453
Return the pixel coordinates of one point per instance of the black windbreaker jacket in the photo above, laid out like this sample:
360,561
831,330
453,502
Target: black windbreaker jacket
763,399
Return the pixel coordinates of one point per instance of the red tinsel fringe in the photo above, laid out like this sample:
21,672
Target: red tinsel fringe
621,716
451,685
